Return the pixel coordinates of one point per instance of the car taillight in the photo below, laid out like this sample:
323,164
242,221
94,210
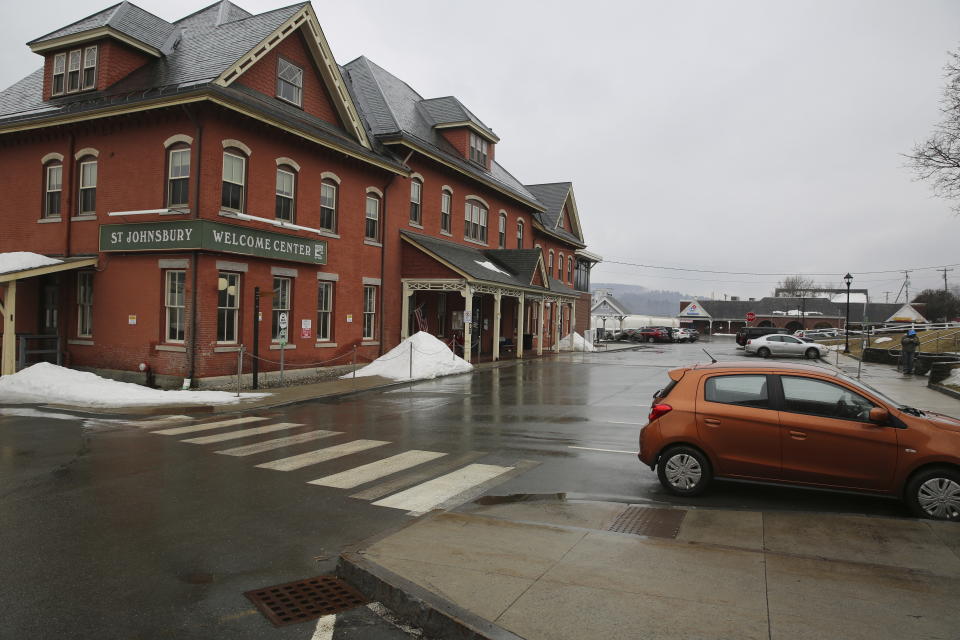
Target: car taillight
749,341
658,410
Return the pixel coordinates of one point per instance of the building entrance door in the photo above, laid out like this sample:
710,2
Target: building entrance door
49,307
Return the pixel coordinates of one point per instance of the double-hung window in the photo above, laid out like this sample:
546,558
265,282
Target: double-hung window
416,195
73,71
228,306
88,187
285,186
59,71
89,79
569,269
550,264
324,311
369,311
478,149
281,304
174,305
234,175
372,226
446,201
328,205
85,304
289,82
178,178
475,221
53,191
502,235
519,234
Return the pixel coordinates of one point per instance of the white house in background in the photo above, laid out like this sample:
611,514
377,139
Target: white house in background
610,314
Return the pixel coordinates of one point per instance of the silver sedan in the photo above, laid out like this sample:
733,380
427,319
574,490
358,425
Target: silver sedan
777,344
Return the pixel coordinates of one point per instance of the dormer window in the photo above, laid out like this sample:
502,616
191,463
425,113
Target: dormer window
89,68
73,72
289,82
59,71
478,149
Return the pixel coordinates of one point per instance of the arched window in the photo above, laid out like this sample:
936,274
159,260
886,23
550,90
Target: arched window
475,220
416,198
502,231
329,190
372,225
234,179
87,196
178,175
559,267
519,234
569,269
550,264
286,192
446,204
53,188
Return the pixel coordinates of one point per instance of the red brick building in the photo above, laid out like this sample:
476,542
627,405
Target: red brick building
177,169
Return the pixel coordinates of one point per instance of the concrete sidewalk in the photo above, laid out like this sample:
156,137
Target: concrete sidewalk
552,570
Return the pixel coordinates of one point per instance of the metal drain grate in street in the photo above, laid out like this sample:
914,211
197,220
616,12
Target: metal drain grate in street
649,521
304,600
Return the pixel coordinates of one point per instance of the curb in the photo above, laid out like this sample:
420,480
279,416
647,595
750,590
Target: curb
944,390
418,606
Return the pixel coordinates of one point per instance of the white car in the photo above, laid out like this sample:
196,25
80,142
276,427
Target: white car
778,344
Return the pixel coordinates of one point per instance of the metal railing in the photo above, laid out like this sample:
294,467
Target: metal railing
44,346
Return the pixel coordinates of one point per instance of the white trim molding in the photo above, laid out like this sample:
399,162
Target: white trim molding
289,162
86,151
173,263
478,199
329,277
416,176
447,188
329,175
174,139
50,157
225,265
375,190
372,281
230,142
283,271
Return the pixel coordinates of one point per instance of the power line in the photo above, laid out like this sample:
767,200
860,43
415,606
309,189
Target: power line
764,273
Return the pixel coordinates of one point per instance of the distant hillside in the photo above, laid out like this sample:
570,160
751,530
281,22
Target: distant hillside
643,301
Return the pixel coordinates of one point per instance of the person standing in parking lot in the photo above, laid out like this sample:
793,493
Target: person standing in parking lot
908,348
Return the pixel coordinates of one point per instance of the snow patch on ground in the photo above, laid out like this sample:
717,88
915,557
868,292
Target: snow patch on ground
879,340
954,379
486,264
431,358
575,342
50,384
20,260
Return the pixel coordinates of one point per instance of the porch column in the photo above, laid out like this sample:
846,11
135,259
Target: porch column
540,327
518,348
496,325
467,294
8,364
405,313
558,322
573,316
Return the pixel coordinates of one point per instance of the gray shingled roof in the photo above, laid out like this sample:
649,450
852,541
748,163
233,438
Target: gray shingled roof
212,15
392,109
738,309
128,19
449,110
554,196
522,262
614,304
468,260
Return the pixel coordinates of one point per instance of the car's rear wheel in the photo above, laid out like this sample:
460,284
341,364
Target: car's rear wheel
684,471
935,493
763,352
812,354
649,339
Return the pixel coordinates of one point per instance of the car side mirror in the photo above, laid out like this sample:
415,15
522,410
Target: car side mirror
879,415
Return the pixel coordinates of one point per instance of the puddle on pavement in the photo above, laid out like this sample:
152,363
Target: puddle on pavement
520,497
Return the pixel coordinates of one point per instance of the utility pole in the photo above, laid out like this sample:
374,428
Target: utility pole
886,296
945,287
906,284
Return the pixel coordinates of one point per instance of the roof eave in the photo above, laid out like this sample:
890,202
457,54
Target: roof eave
93,34
489,136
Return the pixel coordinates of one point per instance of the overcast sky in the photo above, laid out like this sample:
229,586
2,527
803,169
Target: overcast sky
731,136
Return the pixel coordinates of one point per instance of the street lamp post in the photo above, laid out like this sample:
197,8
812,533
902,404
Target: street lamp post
847,279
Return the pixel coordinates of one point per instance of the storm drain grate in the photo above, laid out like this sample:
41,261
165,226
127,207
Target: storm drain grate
304,600
647,521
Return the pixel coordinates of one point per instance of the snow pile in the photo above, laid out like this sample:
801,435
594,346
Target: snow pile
431,358
48,383
20,260
879,340
575,342
953,379
486,264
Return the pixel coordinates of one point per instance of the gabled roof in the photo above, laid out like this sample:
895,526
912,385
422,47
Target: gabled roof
393,112
213,15
522,262
554,197
615,305
448,111
125,18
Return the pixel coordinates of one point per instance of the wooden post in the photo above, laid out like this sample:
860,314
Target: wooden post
405,313
519,345
496,325
558,318
540,327
467,294
9,357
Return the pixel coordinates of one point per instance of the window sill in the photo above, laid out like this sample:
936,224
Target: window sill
49,220
476,242
177,212
225,349
326,345
329,234
286,347
80,341
84,217
372,243
446,233
171,347
369,344
416,225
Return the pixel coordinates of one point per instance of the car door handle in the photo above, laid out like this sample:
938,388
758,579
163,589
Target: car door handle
798,435
713,422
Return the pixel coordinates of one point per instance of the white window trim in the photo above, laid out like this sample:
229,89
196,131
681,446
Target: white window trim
243,178
289,162
81,305
293,192
46,190
63,74
299,102
178,137
166,307
329,175
236,310
288,309
170,178
86,151
230,142
84,66
51,157
328,311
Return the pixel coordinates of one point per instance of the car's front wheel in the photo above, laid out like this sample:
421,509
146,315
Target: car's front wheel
763,352
684,471
935,493
812,353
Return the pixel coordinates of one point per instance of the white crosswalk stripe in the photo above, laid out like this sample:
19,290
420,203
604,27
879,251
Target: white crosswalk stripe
375,470
243,433
269,445
426,496
208,426
321,455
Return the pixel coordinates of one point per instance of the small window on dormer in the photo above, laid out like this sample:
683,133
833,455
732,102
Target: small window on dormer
73,72
289,82
478,149
89,67
59,71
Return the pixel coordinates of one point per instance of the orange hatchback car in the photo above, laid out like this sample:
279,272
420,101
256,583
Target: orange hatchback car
801,425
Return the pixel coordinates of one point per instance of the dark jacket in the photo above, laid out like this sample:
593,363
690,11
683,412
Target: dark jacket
910,343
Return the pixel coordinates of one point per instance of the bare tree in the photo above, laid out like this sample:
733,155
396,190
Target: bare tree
796,286
938,159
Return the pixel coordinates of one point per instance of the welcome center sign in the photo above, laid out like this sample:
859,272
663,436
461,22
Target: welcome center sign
213,236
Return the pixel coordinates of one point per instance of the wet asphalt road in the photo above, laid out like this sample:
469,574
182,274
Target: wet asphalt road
109,530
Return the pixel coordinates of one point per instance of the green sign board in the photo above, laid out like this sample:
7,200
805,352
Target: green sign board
212,236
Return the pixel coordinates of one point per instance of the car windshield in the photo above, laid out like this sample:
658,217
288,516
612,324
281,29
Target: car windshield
865,387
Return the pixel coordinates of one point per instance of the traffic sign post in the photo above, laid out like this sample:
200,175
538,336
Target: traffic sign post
751,316
282,325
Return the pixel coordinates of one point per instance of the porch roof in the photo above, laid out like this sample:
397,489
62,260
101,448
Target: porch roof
23,269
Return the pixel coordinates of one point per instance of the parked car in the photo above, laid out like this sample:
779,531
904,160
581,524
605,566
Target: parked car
654,334
746,333
803,425
694,335
781,345
680,334
628,334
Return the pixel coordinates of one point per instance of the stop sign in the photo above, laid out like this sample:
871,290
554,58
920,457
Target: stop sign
751,316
